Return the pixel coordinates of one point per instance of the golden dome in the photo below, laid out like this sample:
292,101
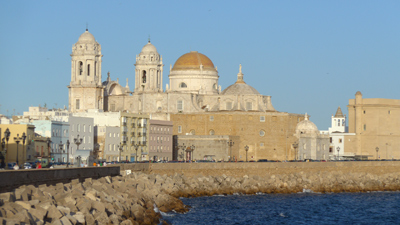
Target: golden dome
192,61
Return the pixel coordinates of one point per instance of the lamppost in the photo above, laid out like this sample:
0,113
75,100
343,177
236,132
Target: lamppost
136,146
338,149
120,148
60,146
183,147
17,139
246,148
23,145
230,144
68,153
48,148
7,134
295,146
3,144
377,150
78,141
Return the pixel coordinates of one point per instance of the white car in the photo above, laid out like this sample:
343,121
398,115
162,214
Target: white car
27,166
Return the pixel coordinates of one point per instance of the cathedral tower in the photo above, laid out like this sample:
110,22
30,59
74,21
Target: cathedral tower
86,90
149,70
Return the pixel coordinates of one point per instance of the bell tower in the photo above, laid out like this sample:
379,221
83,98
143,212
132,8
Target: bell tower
86,90
149,70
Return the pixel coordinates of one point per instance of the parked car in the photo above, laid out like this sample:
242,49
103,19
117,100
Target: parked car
27,166
11,165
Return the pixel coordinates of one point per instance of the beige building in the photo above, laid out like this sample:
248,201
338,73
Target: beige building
160,140
24,150
376,124
134,137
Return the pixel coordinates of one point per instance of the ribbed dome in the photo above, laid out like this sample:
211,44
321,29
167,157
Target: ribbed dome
148,48
86,38
192,61
240,89
306,126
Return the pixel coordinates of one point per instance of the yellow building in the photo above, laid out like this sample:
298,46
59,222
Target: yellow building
269,135
24,150
376,124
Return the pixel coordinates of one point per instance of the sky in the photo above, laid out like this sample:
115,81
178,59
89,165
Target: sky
310,56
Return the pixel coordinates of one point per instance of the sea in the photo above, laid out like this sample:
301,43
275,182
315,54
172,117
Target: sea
298,208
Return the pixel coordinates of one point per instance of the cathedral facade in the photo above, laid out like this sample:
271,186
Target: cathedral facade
193,100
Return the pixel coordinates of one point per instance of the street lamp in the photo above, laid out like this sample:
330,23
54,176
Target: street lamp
7,134
120,148
377,150
23,145
78,141
191,149
295,146
183,147
60,146
246,148
136,146
230,144
3,144
48,148
18,139
338,149
68,153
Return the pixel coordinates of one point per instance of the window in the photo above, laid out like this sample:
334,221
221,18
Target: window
109,147
211,118
80,67
249,105
79,128
212,132
262,144
182,85
192,132
365,126
88,69
144,77
262,133
340,140
179,105
228,105
90,128
179,129
84,128
343,123
364,111
262,118
389,112
77,104
330,140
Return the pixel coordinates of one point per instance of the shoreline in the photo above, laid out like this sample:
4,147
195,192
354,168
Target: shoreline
132,199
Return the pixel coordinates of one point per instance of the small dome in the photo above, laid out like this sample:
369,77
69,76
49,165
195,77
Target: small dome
148,48
86,38
358,93
192,61
306,126
240,89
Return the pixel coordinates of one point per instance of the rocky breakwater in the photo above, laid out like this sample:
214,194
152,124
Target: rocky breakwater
139,198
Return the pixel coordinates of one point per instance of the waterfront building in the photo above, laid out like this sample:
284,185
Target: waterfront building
311,143
42,113
160,140
81,138
24,150
376,124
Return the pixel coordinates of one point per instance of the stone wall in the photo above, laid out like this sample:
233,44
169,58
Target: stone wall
263,168
11,179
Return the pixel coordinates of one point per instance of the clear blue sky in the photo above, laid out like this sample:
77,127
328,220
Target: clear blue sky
310,56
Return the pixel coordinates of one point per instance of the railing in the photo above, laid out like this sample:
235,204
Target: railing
132,142
133,133
123,123
139,134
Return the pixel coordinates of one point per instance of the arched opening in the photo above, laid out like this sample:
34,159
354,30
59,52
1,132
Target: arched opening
182,85
88,69
80,68
144,77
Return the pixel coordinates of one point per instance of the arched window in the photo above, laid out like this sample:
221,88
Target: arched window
88,69
144,77
80,68
182,85
262,133
192,132
215,86
212,132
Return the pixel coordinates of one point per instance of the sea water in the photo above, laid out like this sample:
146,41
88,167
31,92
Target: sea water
300,208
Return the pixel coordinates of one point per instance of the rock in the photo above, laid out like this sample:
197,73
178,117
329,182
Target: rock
38,213
89,219
65,221
25,205
53,213
126,222
7,197
80,217
101,218
72,219
114,219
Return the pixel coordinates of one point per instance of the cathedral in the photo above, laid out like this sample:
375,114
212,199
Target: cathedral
193,100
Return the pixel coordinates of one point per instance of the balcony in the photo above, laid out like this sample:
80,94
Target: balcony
132,142
144,134
133,133
139,134
140,125
133,125
124,133
123,123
